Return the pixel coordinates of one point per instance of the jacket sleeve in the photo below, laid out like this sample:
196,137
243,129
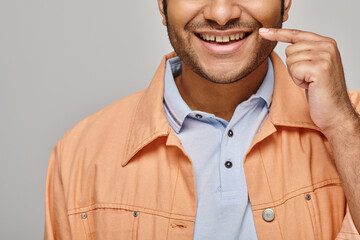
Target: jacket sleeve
56,219
348,230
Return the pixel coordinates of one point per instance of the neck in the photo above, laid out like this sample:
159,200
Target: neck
218,99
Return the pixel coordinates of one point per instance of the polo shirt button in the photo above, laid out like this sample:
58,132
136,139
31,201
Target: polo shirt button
228,164
230,133
268,215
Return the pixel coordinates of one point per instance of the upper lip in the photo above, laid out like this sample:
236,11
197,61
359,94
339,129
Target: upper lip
222,33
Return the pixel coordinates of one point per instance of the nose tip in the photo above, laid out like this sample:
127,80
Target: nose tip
222,11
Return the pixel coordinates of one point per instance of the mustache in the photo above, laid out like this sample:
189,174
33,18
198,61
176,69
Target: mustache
193,26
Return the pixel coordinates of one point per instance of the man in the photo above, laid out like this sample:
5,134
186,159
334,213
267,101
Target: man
223,144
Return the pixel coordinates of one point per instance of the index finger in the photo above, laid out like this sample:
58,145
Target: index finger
288,35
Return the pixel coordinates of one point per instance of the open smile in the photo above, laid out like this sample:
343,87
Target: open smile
221,43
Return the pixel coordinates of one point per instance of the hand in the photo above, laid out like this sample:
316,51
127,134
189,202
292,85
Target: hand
314,63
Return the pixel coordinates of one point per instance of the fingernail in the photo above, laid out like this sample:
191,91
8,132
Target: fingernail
264,30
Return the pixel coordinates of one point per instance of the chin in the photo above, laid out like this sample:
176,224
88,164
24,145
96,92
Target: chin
229,73
222,77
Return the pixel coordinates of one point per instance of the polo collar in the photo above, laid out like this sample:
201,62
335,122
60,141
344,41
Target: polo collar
177,110
289,108
175,106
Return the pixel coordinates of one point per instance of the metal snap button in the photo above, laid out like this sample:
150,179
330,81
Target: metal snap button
268,215
230,133
198,116
308,197
136,213
83,215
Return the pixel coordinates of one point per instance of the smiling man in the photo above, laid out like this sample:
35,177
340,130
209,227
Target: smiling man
227,142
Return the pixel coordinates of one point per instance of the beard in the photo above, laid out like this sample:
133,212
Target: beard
184,49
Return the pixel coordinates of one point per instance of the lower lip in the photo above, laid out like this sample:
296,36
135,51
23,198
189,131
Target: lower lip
223,48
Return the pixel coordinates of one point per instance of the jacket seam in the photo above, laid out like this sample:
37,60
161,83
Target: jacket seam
135,225
85,230
143,212
173,198
268,184
90,234
315,187
102,205
311,210
279,204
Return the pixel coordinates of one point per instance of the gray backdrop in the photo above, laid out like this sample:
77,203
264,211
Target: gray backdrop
61,60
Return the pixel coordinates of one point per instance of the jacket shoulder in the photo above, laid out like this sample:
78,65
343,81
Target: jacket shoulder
110,124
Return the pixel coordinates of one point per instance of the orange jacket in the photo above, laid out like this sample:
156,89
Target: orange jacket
123,174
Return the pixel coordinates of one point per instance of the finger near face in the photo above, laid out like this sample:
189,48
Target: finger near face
290,35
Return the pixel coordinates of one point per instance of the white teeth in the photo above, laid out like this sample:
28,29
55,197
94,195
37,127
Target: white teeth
219,39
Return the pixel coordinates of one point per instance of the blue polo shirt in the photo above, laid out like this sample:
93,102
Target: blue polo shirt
217,149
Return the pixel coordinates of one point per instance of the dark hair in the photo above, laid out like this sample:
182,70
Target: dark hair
282,8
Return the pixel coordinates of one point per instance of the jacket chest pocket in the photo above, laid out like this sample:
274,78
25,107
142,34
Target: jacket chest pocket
326,207
115,223
110,224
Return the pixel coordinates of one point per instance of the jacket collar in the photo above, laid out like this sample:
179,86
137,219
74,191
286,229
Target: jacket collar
289,108
149,120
